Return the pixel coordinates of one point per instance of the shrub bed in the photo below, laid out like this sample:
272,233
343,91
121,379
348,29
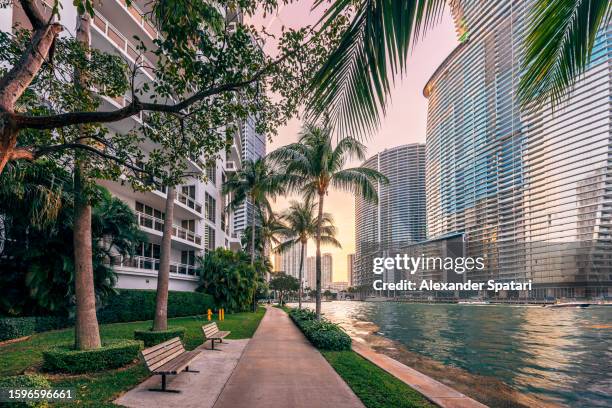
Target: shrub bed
25,381
131,305
151,338
323,334
15,327
112,354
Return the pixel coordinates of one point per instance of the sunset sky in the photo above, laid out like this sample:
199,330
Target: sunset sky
405,121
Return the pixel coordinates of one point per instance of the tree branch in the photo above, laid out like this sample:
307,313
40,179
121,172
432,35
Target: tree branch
33,13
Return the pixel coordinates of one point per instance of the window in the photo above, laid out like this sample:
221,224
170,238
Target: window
189,191
211,174
188,257
189,225
209,240
210,207
149,217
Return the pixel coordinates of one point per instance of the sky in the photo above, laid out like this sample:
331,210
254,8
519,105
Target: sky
404,123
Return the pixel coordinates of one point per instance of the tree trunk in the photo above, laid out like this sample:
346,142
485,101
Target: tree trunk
318,256
301,275
253,235
163,275
87,331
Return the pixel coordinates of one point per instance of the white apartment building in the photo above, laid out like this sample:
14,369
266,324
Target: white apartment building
199,223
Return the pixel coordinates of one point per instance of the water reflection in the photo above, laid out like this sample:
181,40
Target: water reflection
556,355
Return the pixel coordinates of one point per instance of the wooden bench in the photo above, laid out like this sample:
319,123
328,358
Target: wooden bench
166,358
212,333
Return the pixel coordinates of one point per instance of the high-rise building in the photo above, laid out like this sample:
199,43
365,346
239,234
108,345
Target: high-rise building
289,261
199,222
311,273
252,147
327,264
520,185
350,260
398,218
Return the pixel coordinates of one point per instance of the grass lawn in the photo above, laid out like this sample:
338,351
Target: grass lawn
102,387
375,387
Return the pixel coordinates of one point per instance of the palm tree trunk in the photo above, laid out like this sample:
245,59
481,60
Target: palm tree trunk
163,275
86,329
318,256
253,251
253,236
301,275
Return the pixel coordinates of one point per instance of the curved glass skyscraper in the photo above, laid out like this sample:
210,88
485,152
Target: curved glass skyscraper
520,185
399,216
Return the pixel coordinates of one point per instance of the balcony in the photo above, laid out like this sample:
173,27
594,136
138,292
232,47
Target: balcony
157,224
230,167
131,18
152,265
188,202
121,43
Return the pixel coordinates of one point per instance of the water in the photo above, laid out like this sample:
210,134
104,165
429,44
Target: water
561,355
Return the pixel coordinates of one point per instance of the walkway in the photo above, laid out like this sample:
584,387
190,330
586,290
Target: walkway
280,368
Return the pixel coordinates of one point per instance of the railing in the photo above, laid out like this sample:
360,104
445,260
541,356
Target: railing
140,18
152,264
188,201
157,224
122,43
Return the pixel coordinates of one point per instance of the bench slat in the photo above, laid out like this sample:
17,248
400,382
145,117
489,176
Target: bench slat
150,360
160,346
178,364
165,360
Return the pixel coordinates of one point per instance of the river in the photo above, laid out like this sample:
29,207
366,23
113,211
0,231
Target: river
501,355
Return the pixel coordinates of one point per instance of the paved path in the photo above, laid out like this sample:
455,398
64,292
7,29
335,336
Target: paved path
280,368
197,389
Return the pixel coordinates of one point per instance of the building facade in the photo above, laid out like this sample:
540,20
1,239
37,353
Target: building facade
327,270
398,218
199,223
289,261
350,261
311,273
521,185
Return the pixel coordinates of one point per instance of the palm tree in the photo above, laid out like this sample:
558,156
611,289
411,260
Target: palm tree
354,84
257,182
268,234
316,165
302,226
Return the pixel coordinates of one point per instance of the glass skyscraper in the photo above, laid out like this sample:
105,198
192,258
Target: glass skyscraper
531,190
398,218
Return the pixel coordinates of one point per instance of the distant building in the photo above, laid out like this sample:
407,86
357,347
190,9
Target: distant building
337,286
289,261
310,273
326,269
350,261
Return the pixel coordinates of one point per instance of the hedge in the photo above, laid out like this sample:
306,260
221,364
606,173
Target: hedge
25,381
323,334
15,327
133,305
128,305
151,338
113,354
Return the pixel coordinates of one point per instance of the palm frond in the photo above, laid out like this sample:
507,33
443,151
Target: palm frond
352,87
359,181
558,47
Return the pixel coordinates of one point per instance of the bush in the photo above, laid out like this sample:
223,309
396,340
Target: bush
112,354
323,334
151,338
131,305
25,381
15,327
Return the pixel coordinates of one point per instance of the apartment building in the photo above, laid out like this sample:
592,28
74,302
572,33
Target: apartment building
199,223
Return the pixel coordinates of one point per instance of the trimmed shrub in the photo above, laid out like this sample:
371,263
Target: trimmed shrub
15,327
112,354
131,305
323,334
25,381
151,338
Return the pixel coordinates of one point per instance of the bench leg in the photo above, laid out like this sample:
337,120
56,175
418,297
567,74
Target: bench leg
163,386
187,370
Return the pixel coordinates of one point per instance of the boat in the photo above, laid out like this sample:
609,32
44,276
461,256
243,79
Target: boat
570,304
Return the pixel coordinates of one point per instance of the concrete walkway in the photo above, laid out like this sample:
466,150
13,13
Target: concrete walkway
280,368
435,391
197,389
